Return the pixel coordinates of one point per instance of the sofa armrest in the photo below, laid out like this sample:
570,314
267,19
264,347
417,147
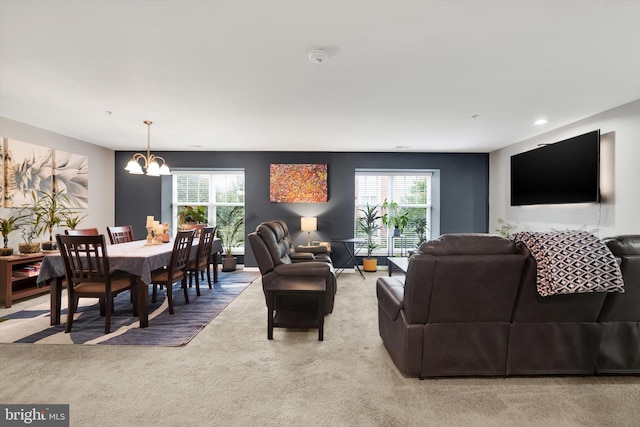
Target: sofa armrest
313,268
300,257
312,249
390,292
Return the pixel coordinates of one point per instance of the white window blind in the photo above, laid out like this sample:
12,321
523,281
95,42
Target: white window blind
212,191
411,190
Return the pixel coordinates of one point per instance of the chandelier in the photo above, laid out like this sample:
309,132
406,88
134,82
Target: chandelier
150,160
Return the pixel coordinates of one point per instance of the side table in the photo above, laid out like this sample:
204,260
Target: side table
351,255
290,318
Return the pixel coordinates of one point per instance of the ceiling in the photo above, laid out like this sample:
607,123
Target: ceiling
442,76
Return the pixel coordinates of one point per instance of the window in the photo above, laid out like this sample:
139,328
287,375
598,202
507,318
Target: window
201,196
412,191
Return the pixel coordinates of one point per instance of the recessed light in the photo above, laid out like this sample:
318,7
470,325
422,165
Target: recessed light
540,122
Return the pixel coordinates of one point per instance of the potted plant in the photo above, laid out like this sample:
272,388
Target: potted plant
42,215
369,225
192,215
505,229
394,216
28,246
420,227
7,225
230,231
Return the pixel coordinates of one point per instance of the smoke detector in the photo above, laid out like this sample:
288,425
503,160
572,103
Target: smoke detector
318,56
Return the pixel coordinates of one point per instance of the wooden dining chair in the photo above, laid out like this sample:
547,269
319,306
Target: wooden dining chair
120,234
202,263
82,232
86,266
176,270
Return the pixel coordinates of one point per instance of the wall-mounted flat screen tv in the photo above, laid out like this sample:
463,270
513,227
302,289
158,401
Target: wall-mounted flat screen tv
565,172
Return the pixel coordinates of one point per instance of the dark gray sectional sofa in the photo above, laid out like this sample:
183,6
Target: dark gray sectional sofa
469,306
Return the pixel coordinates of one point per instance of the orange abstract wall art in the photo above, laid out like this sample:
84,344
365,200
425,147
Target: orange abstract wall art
298,183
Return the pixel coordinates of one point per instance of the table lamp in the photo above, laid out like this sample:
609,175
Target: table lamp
308,224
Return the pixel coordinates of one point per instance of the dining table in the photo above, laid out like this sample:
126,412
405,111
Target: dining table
137,258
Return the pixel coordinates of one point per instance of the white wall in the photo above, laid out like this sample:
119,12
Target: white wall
619,212
101,210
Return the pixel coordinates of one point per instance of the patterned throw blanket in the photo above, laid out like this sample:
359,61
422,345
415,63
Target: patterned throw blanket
572,262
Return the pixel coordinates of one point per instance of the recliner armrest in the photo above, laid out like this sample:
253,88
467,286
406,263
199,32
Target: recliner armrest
312,249
300,257
312,268
390,292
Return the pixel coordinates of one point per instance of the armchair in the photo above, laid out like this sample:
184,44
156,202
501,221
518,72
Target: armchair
271,245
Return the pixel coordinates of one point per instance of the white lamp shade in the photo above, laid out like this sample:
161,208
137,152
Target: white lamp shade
308,223
134,167
153,169
164,169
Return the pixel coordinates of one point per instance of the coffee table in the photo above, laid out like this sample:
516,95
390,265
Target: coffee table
398,263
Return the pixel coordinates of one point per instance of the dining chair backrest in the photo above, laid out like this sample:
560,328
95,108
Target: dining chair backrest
82,232
205,246
86,266
120,234
85,259
181,252
197,227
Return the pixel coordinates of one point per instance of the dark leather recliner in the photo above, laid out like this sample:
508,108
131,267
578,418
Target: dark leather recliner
271,245
452,315
620,316
557,334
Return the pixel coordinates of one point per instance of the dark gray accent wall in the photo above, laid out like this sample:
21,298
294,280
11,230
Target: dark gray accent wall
464,189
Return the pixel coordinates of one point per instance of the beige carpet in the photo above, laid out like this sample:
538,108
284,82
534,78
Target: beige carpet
230,375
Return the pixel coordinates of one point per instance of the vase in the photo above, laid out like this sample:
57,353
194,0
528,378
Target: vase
370,264
6,251
48,246
29,248
229,263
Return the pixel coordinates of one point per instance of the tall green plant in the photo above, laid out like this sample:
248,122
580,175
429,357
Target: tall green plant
46,211
420,227
230,228
369,225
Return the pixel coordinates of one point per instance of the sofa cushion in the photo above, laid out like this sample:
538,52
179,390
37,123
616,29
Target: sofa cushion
624,245
272,234
468,244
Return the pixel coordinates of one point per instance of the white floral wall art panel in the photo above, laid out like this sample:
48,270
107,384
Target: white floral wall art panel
27,168
2,144
71,177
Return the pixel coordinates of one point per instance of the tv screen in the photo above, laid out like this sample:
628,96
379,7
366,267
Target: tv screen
565,172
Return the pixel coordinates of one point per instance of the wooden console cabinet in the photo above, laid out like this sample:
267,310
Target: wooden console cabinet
16,287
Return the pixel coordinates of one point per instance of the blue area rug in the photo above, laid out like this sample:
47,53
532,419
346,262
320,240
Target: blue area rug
32,325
